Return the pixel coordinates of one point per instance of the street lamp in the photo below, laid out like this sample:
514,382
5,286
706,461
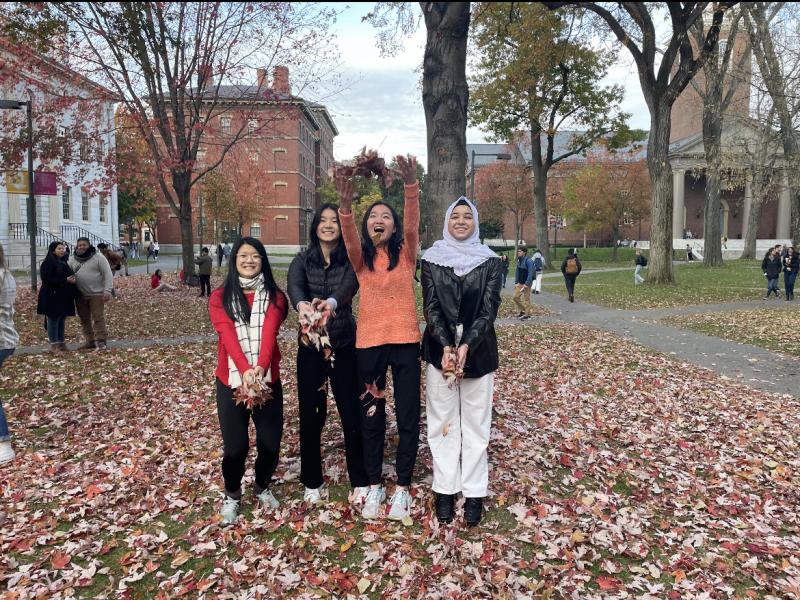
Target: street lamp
17,105
497,155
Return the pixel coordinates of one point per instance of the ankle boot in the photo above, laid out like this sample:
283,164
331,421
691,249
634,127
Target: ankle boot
473,511
444,507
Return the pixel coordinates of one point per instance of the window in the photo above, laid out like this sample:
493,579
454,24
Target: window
627,220
225,124
66,201
252,125
84,206
103,205
254,155
722,45
255,230
84,149
201,154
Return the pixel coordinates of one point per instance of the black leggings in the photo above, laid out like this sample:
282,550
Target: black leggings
312,371
372,366
205,285
234,420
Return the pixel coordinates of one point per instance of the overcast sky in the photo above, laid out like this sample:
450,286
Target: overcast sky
382,106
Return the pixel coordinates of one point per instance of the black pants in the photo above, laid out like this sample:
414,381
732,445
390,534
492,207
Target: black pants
570,281
233,421
372,366
205,285
312,371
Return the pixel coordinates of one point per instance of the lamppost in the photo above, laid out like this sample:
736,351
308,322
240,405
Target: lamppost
17,105
497,155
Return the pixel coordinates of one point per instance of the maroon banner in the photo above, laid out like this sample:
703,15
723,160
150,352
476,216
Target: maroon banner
44,183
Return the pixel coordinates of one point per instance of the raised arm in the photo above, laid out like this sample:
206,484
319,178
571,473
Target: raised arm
408,169
347,221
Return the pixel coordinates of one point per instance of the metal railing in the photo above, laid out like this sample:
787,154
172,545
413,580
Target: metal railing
19,231
73,232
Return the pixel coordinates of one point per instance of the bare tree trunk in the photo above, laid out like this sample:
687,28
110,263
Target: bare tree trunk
749,251
712,141
180,183
517,232
540,215
660,269
444,97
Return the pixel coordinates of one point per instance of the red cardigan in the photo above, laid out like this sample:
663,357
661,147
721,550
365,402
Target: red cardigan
269,357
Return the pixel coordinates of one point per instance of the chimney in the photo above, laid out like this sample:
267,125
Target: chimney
261,78
205,77
280,80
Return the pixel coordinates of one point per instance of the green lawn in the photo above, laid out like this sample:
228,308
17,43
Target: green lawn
694,284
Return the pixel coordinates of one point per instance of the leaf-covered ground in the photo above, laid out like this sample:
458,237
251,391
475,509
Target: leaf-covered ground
768,327
614,473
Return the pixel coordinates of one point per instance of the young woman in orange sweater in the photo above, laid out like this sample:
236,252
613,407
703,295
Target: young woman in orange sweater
387,335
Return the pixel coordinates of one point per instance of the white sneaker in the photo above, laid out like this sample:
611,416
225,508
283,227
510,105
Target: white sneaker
6,452
230,510
267,500
373,503
312,496
358,495
401,505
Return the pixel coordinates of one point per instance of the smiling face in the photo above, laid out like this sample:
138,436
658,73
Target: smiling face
82,246
462,223
380,224
328,229
248,261
60,250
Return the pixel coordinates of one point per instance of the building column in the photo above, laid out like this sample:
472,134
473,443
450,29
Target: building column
748,202
678,204
783,223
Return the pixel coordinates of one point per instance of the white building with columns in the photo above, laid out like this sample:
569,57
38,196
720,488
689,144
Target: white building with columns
74,198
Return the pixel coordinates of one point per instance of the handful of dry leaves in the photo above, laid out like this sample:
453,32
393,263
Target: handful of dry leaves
367,164
255,395
453,373
314,331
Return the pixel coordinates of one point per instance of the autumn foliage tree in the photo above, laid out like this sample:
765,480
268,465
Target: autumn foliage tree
605,192
504,188
167,62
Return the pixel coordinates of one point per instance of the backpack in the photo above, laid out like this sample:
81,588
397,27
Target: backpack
537,264
572,266
644,261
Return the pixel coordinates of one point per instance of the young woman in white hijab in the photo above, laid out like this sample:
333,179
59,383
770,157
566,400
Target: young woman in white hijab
461,283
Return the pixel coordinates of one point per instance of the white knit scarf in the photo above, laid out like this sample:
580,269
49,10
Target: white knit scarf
461,256
249,334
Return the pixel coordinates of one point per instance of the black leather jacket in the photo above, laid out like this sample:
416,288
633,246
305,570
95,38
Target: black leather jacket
308,280
472,300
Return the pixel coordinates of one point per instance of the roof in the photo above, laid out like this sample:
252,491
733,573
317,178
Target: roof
321,108
563,139
268,96
486,154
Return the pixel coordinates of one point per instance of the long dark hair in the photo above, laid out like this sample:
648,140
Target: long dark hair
314,254
233,298
368,249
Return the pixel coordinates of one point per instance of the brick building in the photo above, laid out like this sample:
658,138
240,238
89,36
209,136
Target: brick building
275,170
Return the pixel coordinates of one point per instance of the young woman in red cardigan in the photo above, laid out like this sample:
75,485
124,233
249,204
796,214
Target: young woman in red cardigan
387,334
247,312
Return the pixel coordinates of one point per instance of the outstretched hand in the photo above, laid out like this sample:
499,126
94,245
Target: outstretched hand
407,165
344,185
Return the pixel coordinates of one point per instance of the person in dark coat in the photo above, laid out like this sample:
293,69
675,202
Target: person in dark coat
772,267
570,269
204,266
323,273
461,284
791,265
504,267
57,295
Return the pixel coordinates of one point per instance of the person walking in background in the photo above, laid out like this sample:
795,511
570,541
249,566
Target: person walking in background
57,295
247,312
384,260
523,281
95,283
205,264
772,267
791,265
219,256
538,266
156,248
570,269
504,267
461,285
689,253
8,343
321,278
641,263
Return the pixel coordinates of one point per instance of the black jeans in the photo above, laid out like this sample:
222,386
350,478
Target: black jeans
372,366
234,420
205,285
570,281
312,371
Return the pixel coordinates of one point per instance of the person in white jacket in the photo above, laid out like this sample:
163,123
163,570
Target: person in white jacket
95,282
538,265
8,343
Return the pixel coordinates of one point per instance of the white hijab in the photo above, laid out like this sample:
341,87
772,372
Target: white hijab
461,256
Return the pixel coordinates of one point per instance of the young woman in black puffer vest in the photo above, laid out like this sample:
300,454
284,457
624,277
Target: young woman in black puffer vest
323,272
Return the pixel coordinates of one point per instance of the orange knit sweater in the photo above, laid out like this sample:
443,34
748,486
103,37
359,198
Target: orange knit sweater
387,310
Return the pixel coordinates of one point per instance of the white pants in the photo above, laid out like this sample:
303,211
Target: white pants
537,286
459,421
